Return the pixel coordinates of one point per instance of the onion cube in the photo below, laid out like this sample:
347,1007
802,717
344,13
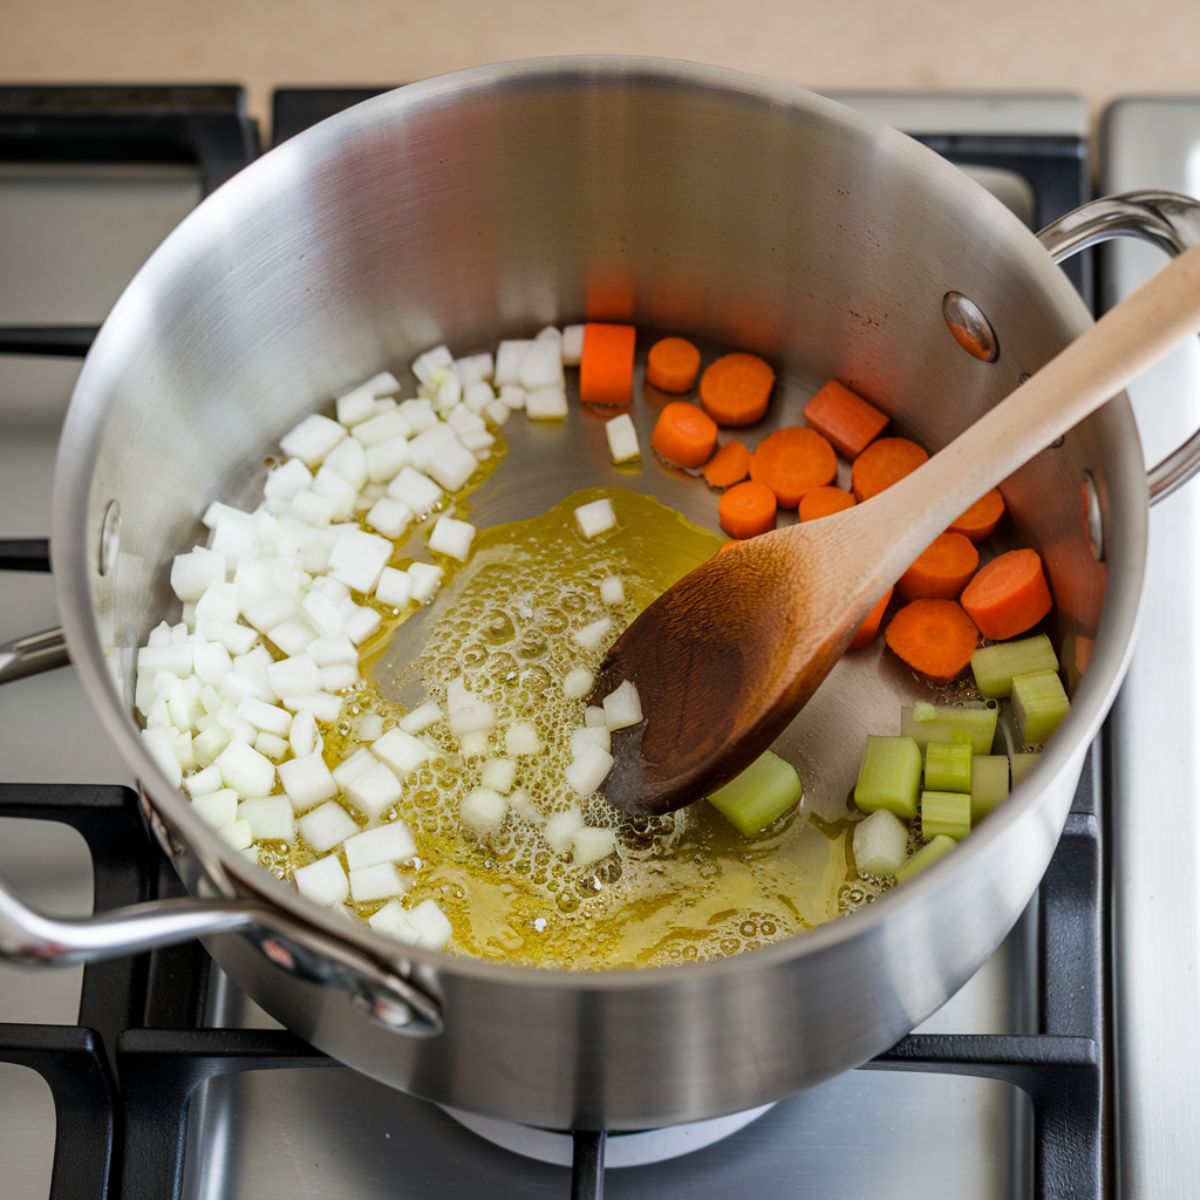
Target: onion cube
416,490
349,461
382,428
589,770
477,396
394,587
219,602
369,726
270,818
401,751
312,439
204,782
452,537
521,805
475,744
498,775
294,676
623,706
591,636
462,420
266,717
419,414
266,614
192,574
546,404
426,367
326,826
292,636
561,829
208,745
421,717
483,811
612,590
237,639
880,843
541,365
509,355
392,920
471,717
355,406
158,743
329,651
424,579
359,763
578,683
513,398
323,614
374,791
361,623
324,881
385,459
177,660
590,735
474,368
272,747
322,705
285,481
304,738
479,444
233,533
376,883
622,439
426,446
595,717
595,518
497,412
358,558
385,843
572,345
549,334
431,925
453,465
333,487
312,508
245,770
449,393
339,677
238,834
521,738
590,844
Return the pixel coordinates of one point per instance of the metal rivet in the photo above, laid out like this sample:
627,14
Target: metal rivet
1093,523
110,536
971,329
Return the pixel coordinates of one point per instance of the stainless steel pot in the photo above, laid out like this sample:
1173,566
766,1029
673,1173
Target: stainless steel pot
492,201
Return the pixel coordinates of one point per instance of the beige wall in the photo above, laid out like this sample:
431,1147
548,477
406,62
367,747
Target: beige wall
1100,48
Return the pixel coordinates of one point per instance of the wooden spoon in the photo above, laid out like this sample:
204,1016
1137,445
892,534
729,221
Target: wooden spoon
725,659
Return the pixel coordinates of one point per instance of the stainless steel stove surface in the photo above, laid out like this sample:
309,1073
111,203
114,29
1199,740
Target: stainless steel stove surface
69,239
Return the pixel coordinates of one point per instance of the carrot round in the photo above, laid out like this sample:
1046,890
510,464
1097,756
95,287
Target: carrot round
845,418
793,461
981,518
1009,595
730,465
747,510
870,627
672,365
883,463
606,364
735,389
934,637
944,568
824,502
684,435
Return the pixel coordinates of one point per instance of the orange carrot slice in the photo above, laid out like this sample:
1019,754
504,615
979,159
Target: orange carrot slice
747,510
981,518
845,419
1009,595
883,463
606,365
824,502
730,465
684,435
870,627
735,389
934,637
942,571
793,461
672,365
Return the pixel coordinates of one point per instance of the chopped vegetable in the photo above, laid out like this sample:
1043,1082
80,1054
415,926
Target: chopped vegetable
561,829
824,502
761,794
672,365
483,811
306,780
989,784
973,723
324,881
948,767
546,404
595,518
590,636
521,738
942,570
1039,705
622,439
890,776
612,590
981,518
945,814
1022,763
793,461
684,435
1009,595
845,419
622,707
376,883
935,638
421,717
730,465
326,826
735,389
880,843
499,775
870,627
591,844
883,463
578,683
606,364
746,510
995,666
925,857
385,843
572,345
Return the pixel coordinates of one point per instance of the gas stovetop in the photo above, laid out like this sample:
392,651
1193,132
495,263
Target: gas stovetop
164,1081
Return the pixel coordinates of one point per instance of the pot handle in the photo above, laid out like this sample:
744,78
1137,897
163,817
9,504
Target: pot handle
1168,220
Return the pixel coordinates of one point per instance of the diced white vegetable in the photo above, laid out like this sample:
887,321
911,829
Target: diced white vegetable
453,465
477,396
374,791
426,446
382,428
471,717
204,782
622,439
245,770
591,636
238,834
294,676
359,763
355,406
550,333
449,393
425,579
426,366
589,735
462,421
431,926
612,590
217,809
332,486
419,414
498,775
266,717
324,881
578,683
521,805
589,770
312,508
508,362
483,811
312,439
385,459
392,920
194,573
349,462
421,717
546,404
181,747
401,751
385,843
339,677
322,705
285,481
233,531
416,490
561,829
328,651
623,706
476,744
326,826
590,844
307,781
304,738
452,537
361,624
358,558
474,368
541,365
497,412
595,518
394,587
266,614
521,738
292,636
212,662
513,398
208,745
880,843
572,345
369,726
272,747
376,883
324,616
178,660
271,818
390,517
480,444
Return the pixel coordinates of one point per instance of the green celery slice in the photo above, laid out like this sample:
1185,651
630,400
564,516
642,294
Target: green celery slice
890,776
1022,764
948,767
989,784
1039,705
945,813
762,793
974,723
880,843
925,857
995,666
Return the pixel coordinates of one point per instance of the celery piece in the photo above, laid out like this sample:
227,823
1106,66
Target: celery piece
989,784
765,790
1021,766
995,666
925,857
948,767
974,723
880,844
946,813
1039,705
890,776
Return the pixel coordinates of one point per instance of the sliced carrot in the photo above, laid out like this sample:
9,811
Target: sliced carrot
747,510
730,465
934,637
735,389
870,627
942,571
1009,595
684,435
824,502
981,518
672,365
606,365
793,461
883,463
845,419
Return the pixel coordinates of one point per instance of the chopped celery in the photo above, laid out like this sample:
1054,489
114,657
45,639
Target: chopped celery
925,857
890,776
948,767
1039,705
765,790
1022,764
946,813
880,844
974,723
995,666
989,784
